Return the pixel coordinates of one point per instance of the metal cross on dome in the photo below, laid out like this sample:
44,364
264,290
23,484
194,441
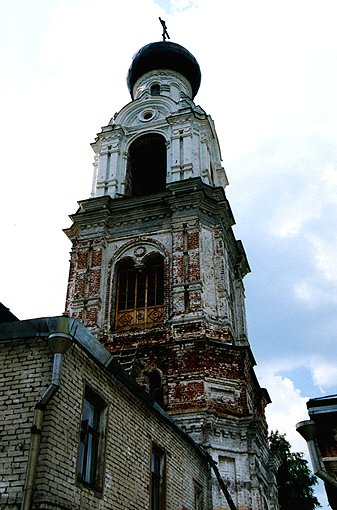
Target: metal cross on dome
165,33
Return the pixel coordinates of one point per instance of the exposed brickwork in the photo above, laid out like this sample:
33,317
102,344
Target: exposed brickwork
194,266
94,280
82,259
131,428
96,257
80,284
193,240
90,317
200,349
188,366
85,282
194,277
178,268
71,282
24,374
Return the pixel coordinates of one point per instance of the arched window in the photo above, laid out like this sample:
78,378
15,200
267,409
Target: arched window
156,387
155,89
140,294
146,170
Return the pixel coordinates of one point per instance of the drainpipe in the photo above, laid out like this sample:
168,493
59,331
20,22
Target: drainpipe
59,343
307,429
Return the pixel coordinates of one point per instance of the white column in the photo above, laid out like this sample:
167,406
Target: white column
101,174
175,161
112,181
94,178
187,166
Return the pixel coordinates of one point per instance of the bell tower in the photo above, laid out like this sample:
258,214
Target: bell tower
157,274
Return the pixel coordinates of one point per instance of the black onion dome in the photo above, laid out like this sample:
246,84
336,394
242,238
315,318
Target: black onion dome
164,55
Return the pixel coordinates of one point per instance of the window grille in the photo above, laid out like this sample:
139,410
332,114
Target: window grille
140,294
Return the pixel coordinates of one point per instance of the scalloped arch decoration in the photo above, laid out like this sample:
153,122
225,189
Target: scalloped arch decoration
128,116
138,250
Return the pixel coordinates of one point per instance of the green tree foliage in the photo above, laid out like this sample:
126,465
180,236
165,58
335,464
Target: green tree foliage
295,481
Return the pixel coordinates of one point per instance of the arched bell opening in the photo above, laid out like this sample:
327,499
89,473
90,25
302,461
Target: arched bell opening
147,163
140,293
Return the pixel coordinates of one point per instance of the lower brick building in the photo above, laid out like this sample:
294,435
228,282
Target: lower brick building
79,433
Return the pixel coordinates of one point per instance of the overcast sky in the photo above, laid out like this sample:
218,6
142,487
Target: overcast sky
269,80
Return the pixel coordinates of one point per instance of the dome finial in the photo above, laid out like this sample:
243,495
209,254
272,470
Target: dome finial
165,32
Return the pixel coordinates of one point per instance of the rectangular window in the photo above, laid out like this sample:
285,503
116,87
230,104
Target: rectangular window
158,486
198,497
91,449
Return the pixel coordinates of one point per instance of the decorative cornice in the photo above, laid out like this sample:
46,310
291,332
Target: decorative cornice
190,198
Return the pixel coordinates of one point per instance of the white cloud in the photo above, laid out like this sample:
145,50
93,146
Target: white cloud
315,292
296,208
325,255
330,178
304,219
305,292
319,287
182,5
324,375
288,406
298,205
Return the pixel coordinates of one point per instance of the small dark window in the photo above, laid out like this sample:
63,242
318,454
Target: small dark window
89,466
158,487
156,387
147,115
155,89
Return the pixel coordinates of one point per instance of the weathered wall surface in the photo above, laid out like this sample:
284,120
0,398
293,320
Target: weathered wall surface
200,350
25,369
189,226
132,426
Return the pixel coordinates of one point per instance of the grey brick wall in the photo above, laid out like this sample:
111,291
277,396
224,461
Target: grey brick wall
24,373
132,426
